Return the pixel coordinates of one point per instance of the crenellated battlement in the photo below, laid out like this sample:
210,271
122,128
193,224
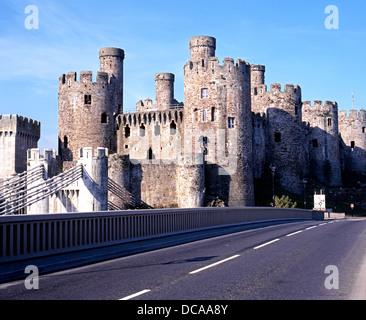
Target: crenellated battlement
276,89
86,77
330,107
21,125
353,115
213,64
7,118
150,117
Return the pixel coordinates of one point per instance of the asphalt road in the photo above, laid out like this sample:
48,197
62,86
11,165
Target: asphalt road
297,261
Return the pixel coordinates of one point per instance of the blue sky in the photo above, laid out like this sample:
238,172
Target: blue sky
289,37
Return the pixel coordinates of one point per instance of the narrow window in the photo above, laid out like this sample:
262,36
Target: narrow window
329,122
213,114
277,136
87,99
142,130
104,118
352,144
203,63
66,142
363,129
231,121
157,129
150,154
173,128
204,116
204,93
127,131
315,143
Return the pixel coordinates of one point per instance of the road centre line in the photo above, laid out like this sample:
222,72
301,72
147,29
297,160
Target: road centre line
291,234
266,244
135,295
312,227
214,264
322,224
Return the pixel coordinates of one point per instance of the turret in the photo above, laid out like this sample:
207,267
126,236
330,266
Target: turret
164,90
87,109
202,48
111,62
257,75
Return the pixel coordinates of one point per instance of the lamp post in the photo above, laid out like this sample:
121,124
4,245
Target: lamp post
273,169
304,181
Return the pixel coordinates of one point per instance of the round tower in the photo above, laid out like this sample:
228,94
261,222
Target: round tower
87,109
202,47
257,75
164,90
111,62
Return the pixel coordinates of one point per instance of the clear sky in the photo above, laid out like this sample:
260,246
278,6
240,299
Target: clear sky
289,37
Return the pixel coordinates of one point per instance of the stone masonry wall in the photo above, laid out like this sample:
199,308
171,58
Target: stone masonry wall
323,141
352,129
17,135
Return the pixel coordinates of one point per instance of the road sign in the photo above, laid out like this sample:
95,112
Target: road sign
319,202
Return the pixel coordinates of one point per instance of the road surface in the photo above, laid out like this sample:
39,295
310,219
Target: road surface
297,260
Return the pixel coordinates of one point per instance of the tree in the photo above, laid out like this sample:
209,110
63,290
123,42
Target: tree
284,202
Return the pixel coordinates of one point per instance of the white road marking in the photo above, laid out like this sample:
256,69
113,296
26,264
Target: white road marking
291,234
310,228
135,295
214,264
322,224
265,244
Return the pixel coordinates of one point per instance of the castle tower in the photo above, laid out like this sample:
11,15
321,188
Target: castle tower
164,90
94,187
257,74
17,135
111,62
281,112
323,141
88,109
352,129
218,122
202,48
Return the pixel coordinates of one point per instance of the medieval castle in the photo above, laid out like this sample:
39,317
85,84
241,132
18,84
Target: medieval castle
228,131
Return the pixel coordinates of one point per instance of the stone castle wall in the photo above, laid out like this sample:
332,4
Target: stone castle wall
92,106
352,128
323,141
17,135
278,133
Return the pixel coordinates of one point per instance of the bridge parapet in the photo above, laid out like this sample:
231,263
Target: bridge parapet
29,236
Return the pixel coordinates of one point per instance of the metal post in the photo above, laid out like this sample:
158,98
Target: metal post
273,169
305,181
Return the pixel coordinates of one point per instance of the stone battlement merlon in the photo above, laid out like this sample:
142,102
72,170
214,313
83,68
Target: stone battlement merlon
213,63
112,52
20,124
70,78
151,116
318,106
34,154
275,88
353,115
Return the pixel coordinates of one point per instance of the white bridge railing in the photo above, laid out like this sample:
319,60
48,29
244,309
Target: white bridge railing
28,236
18,193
